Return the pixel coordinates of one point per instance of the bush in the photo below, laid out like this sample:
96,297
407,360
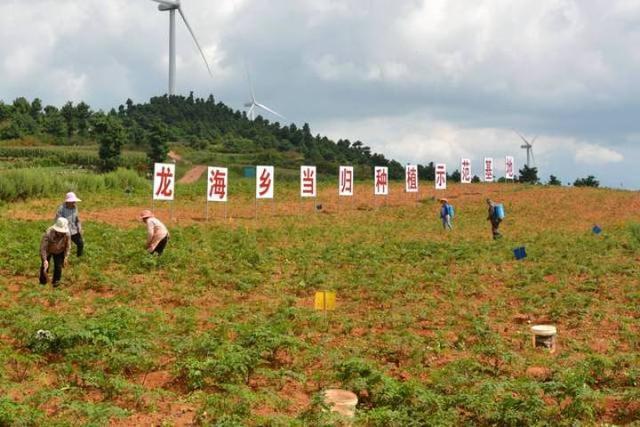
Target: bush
589,181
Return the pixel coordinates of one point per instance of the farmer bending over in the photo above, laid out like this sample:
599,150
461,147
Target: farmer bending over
55,243
157,234
495,219
446,214
69,211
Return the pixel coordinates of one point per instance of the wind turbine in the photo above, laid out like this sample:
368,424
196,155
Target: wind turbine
529,147
253,105
172,6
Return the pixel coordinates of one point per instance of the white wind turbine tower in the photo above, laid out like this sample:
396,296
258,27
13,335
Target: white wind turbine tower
172,6
529,147
253,105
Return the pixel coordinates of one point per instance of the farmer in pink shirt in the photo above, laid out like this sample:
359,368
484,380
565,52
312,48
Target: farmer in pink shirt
157,233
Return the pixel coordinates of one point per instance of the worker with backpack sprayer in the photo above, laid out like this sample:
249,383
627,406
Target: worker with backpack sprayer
446,214
496,215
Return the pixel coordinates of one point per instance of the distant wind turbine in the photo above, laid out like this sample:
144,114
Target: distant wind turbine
172,6
253,105
529,147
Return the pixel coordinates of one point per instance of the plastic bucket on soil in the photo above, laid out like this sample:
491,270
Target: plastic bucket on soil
544,336
341,401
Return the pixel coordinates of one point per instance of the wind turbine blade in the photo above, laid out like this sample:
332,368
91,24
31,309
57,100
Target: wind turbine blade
523,138
251,112
533,158
169,3
533,140
253,95
264,107
204,58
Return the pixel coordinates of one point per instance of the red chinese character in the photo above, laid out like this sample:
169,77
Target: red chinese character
466,170
381,180
488,169
346,181
218,187
265,182
412,179
308,181
165,182
509,167
440,177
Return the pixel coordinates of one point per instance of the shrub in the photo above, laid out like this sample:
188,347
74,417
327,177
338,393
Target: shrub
589,181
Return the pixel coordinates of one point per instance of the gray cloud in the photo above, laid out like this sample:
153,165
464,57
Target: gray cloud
564,69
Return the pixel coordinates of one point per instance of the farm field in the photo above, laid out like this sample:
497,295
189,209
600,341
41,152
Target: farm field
430,328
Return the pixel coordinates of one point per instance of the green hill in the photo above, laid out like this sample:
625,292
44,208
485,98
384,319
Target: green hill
208,131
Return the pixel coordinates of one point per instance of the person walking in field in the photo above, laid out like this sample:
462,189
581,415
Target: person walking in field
446,214
496,215
157,233
56,244
69,211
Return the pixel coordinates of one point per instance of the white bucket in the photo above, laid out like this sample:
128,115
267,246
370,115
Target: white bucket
343,402
544,336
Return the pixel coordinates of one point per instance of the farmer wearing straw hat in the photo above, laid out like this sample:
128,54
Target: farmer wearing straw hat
55,243
446,214
157,233
69,211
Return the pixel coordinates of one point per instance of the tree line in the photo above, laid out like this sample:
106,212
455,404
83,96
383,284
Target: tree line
201,124
196,122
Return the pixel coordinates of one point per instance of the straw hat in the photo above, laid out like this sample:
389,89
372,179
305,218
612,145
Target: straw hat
61,225
71,198
444,200
146,214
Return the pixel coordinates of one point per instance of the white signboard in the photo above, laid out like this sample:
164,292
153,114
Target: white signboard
441,176
345,181
264,182
381,181
509,168
307,181
411,178
217,184
164,175
465,171
488,169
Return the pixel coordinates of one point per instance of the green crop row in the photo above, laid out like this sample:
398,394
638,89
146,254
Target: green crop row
19,184
80,156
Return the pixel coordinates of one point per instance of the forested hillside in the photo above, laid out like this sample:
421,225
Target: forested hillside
201,124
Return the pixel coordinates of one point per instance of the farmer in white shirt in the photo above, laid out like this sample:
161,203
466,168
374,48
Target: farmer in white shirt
69,211
157,234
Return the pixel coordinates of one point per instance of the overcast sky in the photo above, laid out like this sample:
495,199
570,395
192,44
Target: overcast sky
418,81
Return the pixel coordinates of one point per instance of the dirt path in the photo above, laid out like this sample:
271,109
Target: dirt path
193,174
174,156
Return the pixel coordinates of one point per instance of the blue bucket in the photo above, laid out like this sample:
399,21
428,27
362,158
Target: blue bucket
520,253
596,229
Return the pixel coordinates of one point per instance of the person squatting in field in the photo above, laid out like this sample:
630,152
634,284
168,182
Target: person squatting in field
157,233
495,219
56,244
69,211
446,214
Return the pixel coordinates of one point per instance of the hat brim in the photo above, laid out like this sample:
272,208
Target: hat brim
60,230
72,200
